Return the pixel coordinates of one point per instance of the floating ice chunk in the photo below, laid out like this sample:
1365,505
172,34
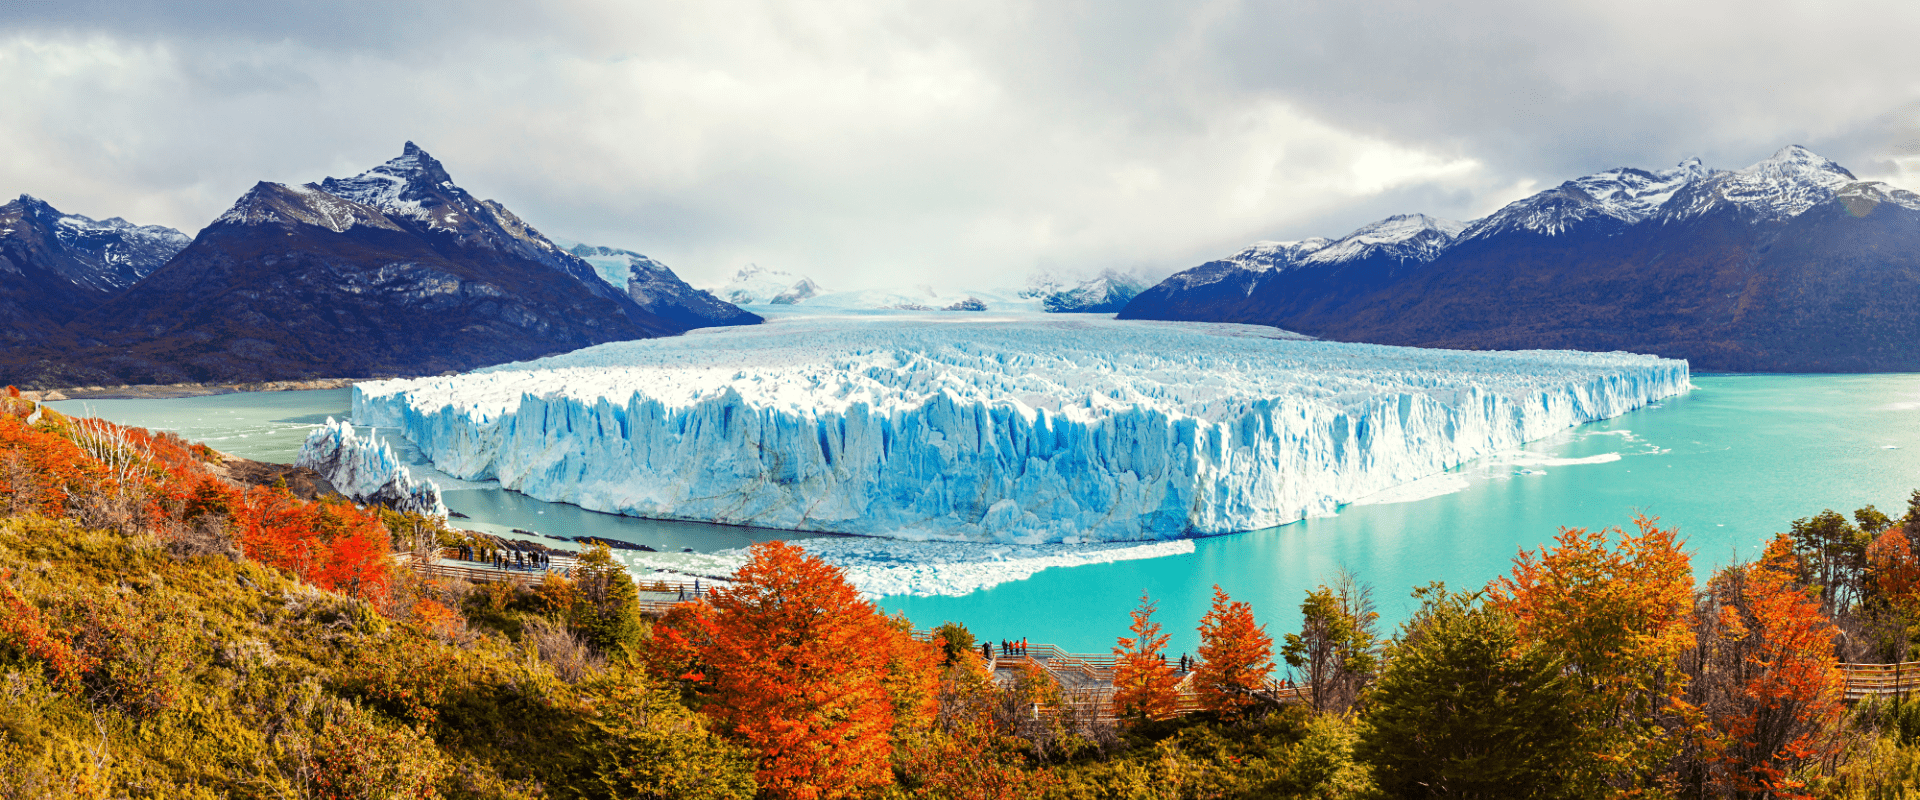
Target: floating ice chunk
366,470
1432,486
996,427
882,567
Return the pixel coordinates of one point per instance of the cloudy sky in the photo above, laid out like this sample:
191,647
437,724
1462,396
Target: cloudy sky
873,143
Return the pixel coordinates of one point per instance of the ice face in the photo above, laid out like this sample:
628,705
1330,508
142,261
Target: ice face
366,470
996,427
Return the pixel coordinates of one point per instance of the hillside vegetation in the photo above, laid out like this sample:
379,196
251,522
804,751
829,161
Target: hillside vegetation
164,633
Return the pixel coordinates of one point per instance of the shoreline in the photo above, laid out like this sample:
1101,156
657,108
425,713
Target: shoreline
164,391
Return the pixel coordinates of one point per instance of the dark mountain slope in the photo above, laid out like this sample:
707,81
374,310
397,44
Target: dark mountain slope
1790,265
405,274
55,266
655,288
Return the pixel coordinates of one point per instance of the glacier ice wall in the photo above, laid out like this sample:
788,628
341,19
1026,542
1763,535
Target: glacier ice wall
1013,428
366,470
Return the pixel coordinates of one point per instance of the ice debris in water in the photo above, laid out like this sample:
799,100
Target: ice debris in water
882,567
366,470
1013,428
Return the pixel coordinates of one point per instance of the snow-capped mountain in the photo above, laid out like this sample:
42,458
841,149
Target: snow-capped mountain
395,271
1612,200
55,266
658,290
110,254
758,285
1403,237
1104,293
1722,266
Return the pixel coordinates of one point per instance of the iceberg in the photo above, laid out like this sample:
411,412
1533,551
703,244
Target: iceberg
366,470
1016,428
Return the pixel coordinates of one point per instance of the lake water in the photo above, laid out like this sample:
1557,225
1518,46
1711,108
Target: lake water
1730,464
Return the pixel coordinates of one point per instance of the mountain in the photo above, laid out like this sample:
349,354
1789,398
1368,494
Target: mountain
55,266
1791,264
1104,293
757,285
394,271
655,288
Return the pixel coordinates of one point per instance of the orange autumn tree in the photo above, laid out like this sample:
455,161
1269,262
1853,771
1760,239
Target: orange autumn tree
1893,574
1619,614
1236,656
792,663
1775,689
1143,684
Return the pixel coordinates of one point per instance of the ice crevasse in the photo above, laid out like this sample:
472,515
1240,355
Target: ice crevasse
1016,428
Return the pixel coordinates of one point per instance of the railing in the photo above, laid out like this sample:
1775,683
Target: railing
1864,680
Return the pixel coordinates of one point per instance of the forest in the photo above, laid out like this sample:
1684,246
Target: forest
168,633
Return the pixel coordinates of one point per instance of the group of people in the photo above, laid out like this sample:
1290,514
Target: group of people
507,559
1017,647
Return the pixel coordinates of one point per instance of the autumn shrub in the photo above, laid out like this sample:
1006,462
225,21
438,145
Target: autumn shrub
1144,686
641,743
1236,658
354,756
792,663
563,650
1617,607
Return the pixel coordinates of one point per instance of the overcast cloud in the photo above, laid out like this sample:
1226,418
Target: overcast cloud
890,143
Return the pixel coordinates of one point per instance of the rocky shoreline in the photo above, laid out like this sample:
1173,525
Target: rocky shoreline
168,390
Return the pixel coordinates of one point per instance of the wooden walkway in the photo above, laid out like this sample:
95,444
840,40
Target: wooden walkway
1868,680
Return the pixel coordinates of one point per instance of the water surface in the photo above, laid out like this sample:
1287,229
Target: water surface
1731,463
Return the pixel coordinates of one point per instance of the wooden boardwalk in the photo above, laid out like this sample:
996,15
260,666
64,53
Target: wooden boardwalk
1868,680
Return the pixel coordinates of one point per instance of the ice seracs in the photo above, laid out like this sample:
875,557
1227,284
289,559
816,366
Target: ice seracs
366,470
1017,428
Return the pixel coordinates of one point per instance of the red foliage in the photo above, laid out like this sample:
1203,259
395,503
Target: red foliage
330,545
1618,614
23,626
1144,686
1236,656
796,666
1893,572
1788,692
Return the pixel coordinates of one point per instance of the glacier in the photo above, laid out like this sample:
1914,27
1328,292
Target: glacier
1015,428
366,470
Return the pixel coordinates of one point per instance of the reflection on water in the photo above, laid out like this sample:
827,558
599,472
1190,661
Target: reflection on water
1731,463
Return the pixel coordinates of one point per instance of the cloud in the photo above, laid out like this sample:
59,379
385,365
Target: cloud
870,142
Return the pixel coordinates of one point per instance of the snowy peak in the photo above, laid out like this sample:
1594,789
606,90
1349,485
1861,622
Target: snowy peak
755,284
1604,201
1784,185
281,204
1406,237
1263,256
800,291
411,178
105,255
1105,293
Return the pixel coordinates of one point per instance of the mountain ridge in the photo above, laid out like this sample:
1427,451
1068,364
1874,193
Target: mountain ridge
1740,270
396,271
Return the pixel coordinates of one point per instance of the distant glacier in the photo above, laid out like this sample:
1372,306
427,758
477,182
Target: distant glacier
1012,428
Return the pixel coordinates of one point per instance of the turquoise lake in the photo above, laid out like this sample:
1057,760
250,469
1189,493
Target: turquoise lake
1730,464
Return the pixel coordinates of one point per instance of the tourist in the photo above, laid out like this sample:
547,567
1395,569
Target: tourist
986,650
